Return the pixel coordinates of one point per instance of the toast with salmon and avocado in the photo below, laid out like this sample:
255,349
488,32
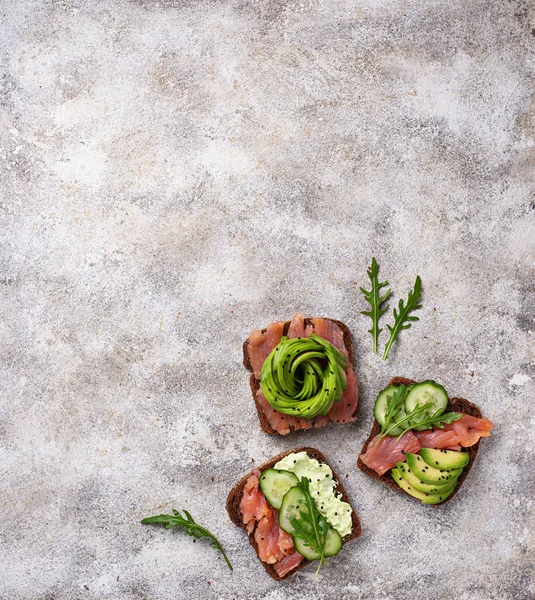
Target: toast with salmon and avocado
295,511
302,374
422,442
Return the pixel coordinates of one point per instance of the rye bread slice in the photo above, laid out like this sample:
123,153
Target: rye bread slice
454,404
235,514
255,383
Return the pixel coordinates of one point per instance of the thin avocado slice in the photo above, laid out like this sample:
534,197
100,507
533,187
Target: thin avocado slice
444,459
303,377
429,474
422,496
427,488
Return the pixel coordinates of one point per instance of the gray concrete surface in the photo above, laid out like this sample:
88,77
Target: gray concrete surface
177,173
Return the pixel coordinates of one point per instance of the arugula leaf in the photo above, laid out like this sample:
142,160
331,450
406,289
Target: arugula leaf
192,528
409,418
403,319
394,404
436,420
376,300
311,526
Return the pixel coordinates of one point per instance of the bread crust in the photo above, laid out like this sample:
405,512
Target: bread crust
235,514
255,383
454,404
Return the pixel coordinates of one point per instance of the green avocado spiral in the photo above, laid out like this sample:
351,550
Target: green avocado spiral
303,377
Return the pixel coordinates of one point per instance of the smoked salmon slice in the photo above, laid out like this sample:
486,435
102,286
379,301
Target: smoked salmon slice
465,432
383,453
275,546
253,505
260,345
288,563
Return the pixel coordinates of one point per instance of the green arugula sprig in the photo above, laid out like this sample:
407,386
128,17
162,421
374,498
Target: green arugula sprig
435,420
394,404
403,319
376,300
192,528
408,419
311,526
396,417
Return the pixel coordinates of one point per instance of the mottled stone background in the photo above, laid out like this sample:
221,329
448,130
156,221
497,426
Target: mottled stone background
176,173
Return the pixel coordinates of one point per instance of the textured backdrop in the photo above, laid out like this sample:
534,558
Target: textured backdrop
176,173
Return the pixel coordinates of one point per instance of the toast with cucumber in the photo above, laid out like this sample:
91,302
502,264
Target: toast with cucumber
422,442
295,511
302,374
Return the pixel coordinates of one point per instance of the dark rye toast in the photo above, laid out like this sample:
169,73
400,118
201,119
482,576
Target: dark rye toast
235,514
255,383
454,404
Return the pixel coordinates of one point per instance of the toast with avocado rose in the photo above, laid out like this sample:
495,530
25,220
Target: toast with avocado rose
302,374
422,442
295,511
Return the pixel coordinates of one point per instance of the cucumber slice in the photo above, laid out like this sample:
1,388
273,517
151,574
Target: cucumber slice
444,459
380,409
414,482
274,484
290,507
334,542
429,474
423,393
333,545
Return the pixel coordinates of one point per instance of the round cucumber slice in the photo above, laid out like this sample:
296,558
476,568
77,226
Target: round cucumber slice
424,393
333,545
334,542
379,409
290,507
274,483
